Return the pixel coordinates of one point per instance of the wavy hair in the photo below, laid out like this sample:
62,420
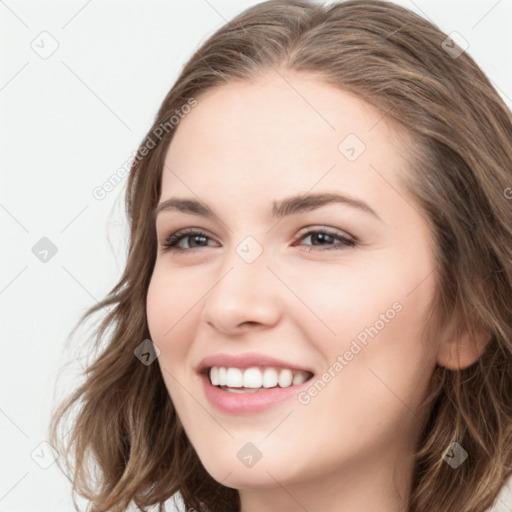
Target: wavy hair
125,424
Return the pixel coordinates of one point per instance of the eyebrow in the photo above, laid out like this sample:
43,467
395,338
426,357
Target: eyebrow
280,209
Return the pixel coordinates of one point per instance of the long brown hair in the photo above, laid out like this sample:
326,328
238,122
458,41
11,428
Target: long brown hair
460,175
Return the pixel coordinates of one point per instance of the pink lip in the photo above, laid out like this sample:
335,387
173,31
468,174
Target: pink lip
246,361
247,403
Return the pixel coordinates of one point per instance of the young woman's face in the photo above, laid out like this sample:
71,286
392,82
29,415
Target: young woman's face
347,304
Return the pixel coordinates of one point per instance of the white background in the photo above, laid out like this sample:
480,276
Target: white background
69,122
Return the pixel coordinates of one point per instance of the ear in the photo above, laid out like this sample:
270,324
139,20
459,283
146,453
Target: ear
460,348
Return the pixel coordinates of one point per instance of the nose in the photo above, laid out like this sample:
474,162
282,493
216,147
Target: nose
245,297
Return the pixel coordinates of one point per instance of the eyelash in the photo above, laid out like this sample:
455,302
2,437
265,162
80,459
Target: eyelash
170,244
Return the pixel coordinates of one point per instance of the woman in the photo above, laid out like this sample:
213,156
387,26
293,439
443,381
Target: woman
368,371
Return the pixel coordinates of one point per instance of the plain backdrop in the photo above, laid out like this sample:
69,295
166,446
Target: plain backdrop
80,83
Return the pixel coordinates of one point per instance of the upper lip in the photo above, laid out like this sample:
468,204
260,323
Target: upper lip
246,360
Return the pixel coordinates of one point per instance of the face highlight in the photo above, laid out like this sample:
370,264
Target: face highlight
293,238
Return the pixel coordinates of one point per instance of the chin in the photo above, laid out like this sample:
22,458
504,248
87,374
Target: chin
244,478
228,470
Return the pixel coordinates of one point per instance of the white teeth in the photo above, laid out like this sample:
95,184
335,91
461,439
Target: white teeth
269,378
252,378
256,378
234,378
214,376
299,378
285,378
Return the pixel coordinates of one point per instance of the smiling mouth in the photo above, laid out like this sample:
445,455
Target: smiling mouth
255,379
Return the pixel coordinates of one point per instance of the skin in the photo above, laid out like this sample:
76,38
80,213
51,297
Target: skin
242,147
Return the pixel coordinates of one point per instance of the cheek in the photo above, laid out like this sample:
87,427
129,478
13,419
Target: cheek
171,320
157,303
373,313
170,312
338,300
170,297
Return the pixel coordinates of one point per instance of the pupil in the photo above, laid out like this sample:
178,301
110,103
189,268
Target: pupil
198,237
321,236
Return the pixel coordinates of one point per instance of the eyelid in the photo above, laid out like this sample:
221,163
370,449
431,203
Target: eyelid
327,229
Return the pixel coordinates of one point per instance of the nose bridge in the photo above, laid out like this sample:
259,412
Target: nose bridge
245,264
245,290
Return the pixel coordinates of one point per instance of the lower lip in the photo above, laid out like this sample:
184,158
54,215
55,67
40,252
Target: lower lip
242,403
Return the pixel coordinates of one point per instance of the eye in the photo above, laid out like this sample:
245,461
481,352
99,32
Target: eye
195,236
325,237
173,241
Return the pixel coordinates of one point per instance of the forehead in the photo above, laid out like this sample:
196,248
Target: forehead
281,134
